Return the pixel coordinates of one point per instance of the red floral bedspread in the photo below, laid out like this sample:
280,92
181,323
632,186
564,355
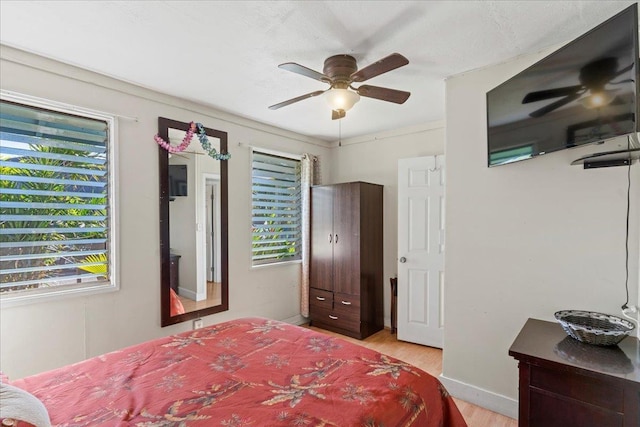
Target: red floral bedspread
249,372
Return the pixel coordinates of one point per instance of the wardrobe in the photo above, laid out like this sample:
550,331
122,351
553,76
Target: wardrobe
345,294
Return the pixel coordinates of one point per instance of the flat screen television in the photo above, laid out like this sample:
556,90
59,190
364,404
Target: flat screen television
177,180
585,92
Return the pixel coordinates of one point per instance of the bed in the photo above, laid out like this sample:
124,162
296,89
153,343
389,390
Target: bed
247,372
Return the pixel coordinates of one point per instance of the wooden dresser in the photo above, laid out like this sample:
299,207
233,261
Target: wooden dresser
346,286
565,383
174,272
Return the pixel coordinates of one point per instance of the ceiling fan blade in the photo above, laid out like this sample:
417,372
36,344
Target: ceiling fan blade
391,62
617,101
383,93
338,114
622,82
550,93
554,105
624,70
299,98
302,70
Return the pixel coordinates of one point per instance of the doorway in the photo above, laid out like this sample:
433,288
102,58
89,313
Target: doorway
208,242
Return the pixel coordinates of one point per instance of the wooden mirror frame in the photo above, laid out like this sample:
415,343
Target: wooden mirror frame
164,125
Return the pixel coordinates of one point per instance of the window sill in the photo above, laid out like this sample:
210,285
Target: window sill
40,296
276,264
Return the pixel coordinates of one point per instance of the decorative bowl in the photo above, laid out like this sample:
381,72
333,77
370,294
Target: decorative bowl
594,328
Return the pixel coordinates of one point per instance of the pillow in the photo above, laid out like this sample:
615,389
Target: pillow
21,405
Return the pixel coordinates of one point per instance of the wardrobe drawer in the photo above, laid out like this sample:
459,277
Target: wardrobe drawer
335,319
347,302
320,298
351,313
348,306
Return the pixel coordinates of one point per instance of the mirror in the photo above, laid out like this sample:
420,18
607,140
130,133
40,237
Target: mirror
193,226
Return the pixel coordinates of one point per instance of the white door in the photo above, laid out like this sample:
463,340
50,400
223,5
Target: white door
421,250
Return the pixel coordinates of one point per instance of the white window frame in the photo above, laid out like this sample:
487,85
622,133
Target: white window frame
87,288
275,262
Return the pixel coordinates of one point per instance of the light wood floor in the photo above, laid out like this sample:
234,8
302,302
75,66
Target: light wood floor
213,298
430,360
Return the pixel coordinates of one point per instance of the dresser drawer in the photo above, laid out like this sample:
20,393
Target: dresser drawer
594,391
320,298
554,411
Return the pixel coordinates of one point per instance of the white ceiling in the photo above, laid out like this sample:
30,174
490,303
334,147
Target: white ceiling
226,53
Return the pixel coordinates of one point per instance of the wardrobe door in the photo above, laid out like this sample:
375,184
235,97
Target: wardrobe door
346,247
321,265
371,259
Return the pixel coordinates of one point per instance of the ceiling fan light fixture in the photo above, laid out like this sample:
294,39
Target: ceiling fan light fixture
598,99
341,99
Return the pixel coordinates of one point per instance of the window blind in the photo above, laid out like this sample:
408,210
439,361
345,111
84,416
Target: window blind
53,198
276,217
511,155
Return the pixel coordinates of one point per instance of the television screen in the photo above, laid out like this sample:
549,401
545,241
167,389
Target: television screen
584,92
177,180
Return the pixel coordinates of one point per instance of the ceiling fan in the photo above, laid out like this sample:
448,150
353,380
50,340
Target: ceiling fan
340,71
594,76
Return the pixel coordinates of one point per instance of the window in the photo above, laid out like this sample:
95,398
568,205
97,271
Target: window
55,201
510,155
275,208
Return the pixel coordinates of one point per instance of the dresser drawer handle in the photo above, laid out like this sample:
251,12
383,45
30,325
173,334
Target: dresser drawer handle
346,302
333,317
320,298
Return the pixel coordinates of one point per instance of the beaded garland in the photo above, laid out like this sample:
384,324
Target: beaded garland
202,136
206,145
183,145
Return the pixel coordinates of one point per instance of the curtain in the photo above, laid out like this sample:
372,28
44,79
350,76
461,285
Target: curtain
306,179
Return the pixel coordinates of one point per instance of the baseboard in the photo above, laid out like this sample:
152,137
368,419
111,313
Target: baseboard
296,320
187,293
481,397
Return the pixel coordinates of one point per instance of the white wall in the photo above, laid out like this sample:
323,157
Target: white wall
50,334
374,159
523,240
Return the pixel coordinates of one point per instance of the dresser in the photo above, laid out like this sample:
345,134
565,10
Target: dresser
174,271
565,383
346,286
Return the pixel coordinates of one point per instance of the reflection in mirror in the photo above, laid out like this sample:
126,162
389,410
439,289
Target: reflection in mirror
193,226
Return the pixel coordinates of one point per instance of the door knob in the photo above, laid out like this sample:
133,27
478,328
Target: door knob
403,260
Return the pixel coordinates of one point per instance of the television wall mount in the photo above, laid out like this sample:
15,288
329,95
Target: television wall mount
609,159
